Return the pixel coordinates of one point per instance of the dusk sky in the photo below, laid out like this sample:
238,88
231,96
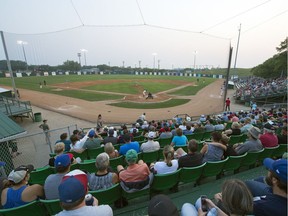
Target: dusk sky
180,33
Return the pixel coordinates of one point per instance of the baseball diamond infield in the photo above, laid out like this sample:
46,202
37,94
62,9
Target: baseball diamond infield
206,101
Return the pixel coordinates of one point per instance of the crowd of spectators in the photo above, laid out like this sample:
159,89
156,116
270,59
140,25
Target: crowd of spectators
260,126
256,87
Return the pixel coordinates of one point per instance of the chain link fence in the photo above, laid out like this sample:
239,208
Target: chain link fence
31,148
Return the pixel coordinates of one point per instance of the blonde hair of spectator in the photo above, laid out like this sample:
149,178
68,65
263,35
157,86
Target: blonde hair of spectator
109,148
168,152
59,148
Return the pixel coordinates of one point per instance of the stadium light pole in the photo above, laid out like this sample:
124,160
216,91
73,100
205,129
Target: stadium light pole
79,56
22,43
195,53
84,52
154,60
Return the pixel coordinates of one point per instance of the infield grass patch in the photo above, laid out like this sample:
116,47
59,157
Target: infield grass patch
159,105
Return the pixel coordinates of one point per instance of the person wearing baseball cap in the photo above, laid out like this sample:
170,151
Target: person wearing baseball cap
20,193
62,165
268,138
270,198
72,192
253,144
150,145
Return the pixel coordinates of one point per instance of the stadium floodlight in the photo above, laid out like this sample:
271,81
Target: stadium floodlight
22,43
154,59
195,53
84,52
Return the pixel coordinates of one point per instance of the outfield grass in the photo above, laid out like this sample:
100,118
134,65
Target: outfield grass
192,90
160,105
129,84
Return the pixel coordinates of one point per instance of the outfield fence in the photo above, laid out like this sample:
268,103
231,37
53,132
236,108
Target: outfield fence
33,148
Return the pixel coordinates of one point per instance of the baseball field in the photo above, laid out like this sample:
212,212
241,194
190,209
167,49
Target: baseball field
120,98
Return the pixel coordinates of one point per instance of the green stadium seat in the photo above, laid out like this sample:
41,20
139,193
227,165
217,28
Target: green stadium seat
234,139
206,136
52,206
214,168
164,142
191,174
234,163
280,151
149,157
197,136
163,182
88,165
34,208
243,138
93,153
83,156
139,138
114,162
108,196
39,175
267,153
250,159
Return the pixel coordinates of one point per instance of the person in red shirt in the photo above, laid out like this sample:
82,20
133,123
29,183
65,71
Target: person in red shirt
269,139
227,104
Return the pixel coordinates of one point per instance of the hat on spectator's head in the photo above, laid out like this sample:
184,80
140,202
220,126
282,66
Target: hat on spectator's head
202,116
254,131
137,124
73,186
268,126
151,135
91,133
62,160
18,174
278,167
131,156
162,205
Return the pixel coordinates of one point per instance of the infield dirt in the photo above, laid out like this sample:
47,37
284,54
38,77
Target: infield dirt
206,101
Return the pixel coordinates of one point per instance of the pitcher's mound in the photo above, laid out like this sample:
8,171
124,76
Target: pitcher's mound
141,99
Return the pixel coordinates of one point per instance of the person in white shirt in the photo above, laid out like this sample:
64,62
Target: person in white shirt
150,145
77,144
169,164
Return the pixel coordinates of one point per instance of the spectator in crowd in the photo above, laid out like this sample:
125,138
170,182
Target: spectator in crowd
136,176
174,130
145,125
59,150
235,129
45,127
93,141
128,145
164,128
77,143
268,139
198,128
99,123
150,145
169,164
247,125
227,104
161,205
235,199
79,133
20,193
219,126
62,167
134,129
265,202
202,119
110,150
179,139
188,130
229,150
253,144
213,151
209,127
166,133
192,158
282,138
63,138
102,179
72,191
110,138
